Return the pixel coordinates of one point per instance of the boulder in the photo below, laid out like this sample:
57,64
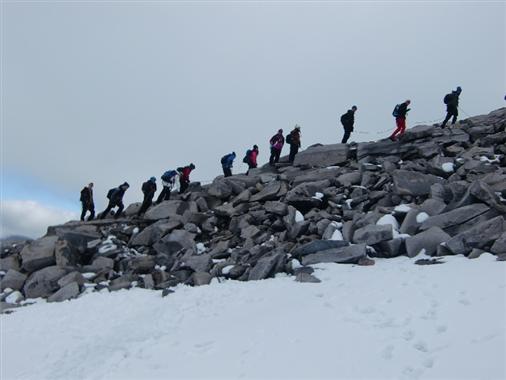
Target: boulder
141,264
123,282
318,246
151,234
67,292
39,254
276,207
499,246
220,188
78,238
373,234
413,183
65,254
426,242
71,277
306,277
269,192
200,263
100,264
349,179
201,278
323,155
432,206
477,237
410,223
176,241
454,217
265,267
10,262
13,279
44,282
343,255
170,209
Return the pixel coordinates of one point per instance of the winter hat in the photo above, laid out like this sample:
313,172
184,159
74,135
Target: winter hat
297,126
354,108
126,184
233,154
280,131
192,166
255,146
459,89
152,179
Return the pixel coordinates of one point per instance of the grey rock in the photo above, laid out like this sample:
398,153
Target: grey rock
426,241
123,282
132,209
39,254
65,254
410,225
265,267
318,246
499,246
79,237
343,255
201,263
475,253
151,234
477,237
250,232
149,282
10,262
277,208
349,179
455,217
71,277
323,156
432,207
176,241
220,188
166,292
44,282
67,292
269,192
170,209
201,278
306,277
317,175
413,183
141,264
237,271
389,248
13,279
373,234
100,264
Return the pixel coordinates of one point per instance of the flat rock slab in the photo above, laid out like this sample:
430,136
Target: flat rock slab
13,279
426,242
43,282
323,156
373,234
318,246
265,267
455,217
69,291
477,236
169,209
39,254
344,255
269,192
151,234
408,182
306,278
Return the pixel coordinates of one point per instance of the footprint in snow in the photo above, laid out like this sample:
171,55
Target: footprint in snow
408,335
420,346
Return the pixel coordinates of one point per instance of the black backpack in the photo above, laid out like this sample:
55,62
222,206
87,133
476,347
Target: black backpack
224,159
395,112
289,138
110,193
447,99
246,157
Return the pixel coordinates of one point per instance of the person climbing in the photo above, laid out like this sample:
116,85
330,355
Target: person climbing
347,120
251,158
294,140
168,181
87,202
115,197
277,141
149,190
226,163
184,177
452,106
399,113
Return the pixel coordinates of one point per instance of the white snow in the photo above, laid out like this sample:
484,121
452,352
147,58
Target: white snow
402,208
318,195
448,167
135,231
496,159
14,297
337,235
295,264
422,217
393,320
298,217
89,275
227,269
388,220
107,245
201,248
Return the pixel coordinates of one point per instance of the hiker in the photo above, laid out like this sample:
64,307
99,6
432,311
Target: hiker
347,120
168,181
115,197
226,163
277,141
149,190
399,113
184,177
87,201
452,106
294,140
251,158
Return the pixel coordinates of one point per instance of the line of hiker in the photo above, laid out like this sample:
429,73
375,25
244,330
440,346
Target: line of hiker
276,142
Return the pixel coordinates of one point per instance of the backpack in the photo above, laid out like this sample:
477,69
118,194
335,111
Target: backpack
246,157
395,112
110,193
447,98
289,139
168,175
224,159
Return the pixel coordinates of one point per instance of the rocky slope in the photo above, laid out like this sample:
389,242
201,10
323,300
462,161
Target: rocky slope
434,192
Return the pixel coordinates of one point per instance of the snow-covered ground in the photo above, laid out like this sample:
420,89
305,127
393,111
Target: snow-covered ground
393,320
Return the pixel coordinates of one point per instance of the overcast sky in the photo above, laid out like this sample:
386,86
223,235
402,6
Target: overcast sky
115,91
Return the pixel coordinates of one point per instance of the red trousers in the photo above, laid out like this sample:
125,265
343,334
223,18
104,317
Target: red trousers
401,127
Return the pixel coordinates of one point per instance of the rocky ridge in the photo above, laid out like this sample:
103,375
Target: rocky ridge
436,192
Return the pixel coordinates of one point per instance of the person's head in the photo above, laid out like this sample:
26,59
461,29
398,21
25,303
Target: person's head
280,131
125,185
408,102
152,179
90,185
354,108
255,147
458,90
297,127
233,154
192,166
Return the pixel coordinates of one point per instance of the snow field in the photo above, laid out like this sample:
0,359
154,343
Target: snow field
391,320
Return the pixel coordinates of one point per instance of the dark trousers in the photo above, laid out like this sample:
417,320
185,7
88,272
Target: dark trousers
250,166
110,206
294,149
183,185
347,134
90,208
146,203
450,112
227,172
275,153
164,194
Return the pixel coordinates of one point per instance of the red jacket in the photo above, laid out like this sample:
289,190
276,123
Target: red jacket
253,157
185,174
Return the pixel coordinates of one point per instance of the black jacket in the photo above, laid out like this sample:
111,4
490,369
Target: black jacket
348,119
117,195
86,195
149,188
402,111
453,100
